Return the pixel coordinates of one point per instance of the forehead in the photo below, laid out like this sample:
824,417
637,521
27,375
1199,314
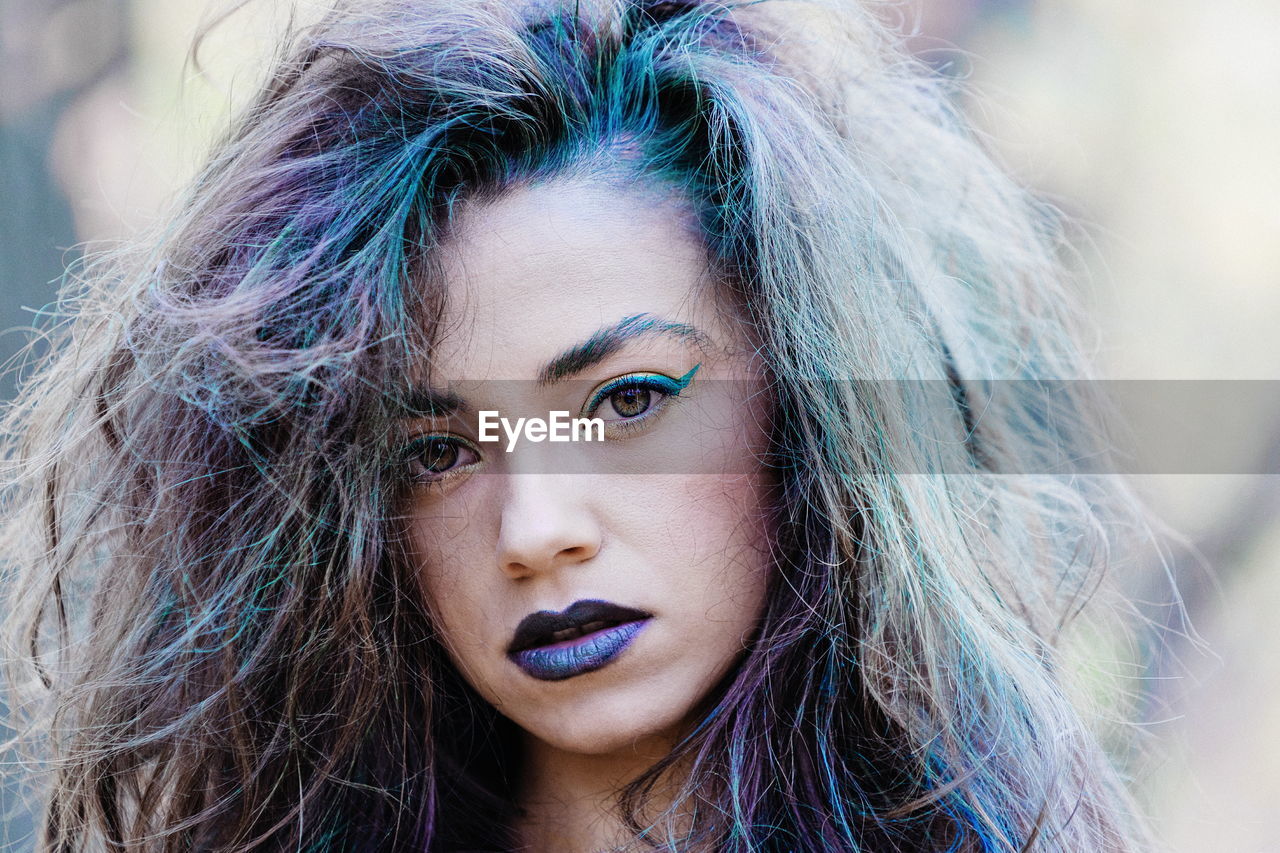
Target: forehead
549,264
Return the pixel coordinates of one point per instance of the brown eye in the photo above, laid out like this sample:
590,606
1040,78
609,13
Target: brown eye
635,398
436,457
630,402
439,455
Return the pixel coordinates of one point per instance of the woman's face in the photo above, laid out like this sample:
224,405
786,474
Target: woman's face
592,591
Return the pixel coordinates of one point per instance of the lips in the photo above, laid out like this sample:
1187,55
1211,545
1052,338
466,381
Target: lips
582,617
588,635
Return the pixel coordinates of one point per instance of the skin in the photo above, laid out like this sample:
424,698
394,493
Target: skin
669,519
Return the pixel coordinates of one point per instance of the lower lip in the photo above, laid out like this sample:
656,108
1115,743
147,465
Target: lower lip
559,661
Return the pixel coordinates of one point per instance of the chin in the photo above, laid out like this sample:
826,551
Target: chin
604,724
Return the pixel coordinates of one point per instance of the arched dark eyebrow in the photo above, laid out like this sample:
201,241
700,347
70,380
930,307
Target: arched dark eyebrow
421,402
610,339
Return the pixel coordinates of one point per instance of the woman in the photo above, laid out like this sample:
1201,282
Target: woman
285,592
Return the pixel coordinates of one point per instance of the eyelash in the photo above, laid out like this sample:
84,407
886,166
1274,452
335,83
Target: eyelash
652,382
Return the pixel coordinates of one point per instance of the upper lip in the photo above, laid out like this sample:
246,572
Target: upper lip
538,629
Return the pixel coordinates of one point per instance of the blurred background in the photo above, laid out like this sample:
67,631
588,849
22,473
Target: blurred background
1154,123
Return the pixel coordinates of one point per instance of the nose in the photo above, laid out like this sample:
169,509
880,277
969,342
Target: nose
545,525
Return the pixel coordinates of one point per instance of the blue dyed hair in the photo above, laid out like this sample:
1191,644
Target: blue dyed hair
215,610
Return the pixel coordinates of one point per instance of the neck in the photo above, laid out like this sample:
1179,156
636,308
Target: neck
569,800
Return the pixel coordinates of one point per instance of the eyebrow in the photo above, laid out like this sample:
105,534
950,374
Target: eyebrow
610,339
423,402
431,402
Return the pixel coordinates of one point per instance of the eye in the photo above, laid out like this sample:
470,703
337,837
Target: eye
635,397
632,400
435,458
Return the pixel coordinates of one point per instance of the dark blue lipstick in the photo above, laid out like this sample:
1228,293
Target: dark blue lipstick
586,636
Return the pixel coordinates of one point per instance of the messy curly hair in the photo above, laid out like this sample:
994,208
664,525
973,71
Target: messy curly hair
216,632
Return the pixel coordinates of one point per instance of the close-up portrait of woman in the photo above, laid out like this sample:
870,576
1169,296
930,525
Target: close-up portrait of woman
568,427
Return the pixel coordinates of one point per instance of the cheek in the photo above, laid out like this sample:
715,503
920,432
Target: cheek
431,543
462,607
447,534
724,550
446,553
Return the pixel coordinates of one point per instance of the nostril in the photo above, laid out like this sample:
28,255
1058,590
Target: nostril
537,536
